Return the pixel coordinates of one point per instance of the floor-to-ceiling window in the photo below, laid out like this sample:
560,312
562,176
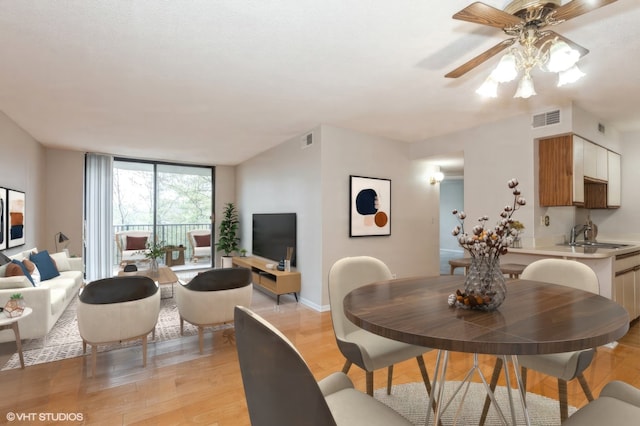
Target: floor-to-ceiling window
166,199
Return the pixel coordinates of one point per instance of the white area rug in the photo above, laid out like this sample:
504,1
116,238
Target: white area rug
411,401
63,341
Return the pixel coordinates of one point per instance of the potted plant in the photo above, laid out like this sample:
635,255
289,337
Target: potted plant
228,238
15,306
154,251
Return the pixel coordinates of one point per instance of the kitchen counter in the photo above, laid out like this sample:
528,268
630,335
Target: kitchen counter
607,263
560,250
617,269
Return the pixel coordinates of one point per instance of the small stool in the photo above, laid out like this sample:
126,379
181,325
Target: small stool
513,269
463,262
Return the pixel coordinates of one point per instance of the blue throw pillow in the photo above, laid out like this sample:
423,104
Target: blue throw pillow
25,271
45,265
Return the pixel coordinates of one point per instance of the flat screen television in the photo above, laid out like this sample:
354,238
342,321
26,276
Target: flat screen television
272,233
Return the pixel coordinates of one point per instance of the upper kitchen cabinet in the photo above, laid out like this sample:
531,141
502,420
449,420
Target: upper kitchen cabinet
561,176
576,172
595,161
613,180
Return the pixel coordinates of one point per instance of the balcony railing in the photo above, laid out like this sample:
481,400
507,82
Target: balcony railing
174,235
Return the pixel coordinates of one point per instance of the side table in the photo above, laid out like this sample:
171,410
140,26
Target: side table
169,260
12,323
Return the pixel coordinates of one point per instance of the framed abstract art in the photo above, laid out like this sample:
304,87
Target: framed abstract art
370,206
15,216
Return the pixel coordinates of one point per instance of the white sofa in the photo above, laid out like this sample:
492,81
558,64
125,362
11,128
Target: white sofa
48,300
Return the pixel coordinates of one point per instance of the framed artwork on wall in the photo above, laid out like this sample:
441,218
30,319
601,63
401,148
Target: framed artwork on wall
3,215
16,213
369,206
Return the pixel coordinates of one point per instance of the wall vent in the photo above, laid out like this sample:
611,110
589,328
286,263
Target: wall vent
306,140
546,119
601,128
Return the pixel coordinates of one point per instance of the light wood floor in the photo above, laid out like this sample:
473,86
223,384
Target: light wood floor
179,386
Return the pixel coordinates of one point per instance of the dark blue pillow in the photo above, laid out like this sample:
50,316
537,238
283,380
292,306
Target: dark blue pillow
45,265
25,271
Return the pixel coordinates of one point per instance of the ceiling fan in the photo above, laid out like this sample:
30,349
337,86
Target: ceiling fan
526,22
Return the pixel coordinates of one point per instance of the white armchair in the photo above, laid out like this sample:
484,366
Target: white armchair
200,241
132,245
210,297
117,309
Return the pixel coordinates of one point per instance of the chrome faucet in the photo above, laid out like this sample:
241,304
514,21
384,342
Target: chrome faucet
577,229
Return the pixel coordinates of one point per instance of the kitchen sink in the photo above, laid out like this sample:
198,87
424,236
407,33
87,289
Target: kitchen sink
596,244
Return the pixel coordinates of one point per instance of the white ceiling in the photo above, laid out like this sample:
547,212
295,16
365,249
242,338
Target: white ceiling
218,81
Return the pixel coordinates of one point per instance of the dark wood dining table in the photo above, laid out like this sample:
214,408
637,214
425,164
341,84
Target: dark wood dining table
535,318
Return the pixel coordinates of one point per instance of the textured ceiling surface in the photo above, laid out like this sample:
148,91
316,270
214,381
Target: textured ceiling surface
217,82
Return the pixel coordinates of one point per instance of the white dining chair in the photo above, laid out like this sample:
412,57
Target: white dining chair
618,404
367,350
565,366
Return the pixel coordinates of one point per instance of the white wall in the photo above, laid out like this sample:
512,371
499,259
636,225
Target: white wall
22,166
63,198
287,179
413,246
451,197
314,183
624,223
493,154
496,152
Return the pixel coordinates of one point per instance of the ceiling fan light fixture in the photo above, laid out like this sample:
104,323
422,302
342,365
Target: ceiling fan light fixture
561,57
569,76
525,87
506,70
488,89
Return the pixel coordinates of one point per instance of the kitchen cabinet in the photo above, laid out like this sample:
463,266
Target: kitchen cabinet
561,171
613,180
626,284
576,172
595,161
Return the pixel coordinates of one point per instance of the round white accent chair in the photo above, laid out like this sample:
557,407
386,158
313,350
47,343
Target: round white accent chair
210,297
117,309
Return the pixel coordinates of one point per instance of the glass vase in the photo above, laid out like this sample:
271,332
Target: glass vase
154,267
484,284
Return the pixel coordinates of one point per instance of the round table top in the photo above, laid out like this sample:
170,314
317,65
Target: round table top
535,318
4,319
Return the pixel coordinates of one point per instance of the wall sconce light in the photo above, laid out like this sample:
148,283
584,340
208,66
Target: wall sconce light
61,238
436,178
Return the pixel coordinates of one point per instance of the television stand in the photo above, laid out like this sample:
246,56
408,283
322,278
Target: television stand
272,280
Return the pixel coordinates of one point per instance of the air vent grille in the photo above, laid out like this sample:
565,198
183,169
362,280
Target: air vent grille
306,140
546,119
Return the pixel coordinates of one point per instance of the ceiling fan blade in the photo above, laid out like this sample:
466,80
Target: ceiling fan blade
552,34
578,7
468,66
480,13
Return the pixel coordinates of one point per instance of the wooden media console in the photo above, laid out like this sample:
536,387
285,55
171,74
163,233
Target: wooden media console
272,280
